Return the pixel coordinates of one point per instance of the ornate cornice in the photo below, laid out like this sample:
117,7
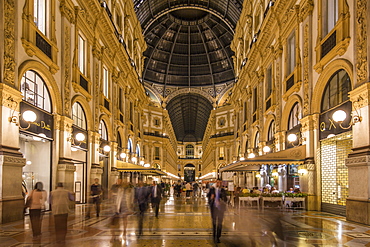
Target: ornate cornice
66,8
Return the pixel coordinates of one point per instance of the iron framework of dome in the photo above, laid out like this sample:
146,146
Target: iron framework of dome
188,46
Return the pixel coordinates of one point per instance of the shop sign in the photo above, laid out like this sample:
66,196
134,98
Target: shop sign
327,124
43,123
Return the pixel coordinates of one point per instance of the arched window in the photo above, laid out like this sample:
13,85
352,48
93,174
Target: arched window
336,91
78,116
271,131
257,140
138,150
129,145
119,140
34,90
189,151
103,131
294,116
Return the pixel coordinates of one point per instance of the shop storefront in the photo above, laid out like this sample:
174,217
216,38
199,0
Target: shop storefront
79,148
335,143
278,170
35,139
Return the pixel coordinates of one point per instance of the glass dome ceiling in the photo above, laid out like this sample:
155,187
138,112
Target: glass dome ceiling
188,46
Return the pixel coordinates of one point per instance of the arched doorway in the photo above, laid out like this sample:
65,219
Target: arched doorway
189,173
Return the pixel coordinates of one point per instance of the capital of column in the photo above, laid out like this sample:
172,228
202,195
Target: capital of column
310,122
94,137
10,97
360,95
65,123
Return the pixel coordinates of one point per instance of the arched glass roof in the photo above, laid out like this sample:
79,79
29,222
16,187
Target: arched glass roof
188,46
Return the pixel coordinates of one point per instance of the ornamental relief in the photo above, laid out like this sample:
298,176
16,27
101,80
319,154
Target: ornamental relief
361,41
9,41
67,71
306,85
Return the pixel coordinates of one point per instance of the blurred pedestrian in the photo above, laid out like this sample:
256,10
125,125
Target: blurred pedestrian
60,199
123,206
217,200
156,196
141,198
95,197
36,202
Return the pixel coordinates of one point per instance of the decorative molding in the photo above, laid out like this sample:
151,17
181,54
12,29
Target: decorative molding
360,95
306,71
12,160
9,42
67,70
361,40
66,9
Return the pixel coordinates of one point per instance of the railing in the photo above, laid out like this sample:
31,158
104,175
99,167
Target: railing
106,104
84,83
329,44
222,134
268,104
43,45
155,134
290,82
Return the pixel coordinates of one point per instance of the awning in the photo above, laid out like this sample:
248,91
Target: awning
291,156
128,167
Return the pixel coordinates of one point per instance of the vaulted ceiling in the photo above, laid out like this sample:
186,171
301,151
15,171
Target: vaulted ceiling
188,46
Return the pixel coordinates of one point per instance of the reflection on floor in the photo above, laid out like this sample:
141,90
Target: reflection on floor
187,222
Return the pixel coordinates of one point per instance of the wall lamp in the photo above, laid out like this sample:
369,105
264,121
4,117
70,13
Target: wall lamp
28,116
266,149
258,175
106,148
339,116
251,156
292,138
79,137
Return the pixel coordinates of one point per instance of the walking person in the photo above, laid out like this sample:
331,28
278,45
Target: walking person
95,197
156,196
217,200
36,202
60,199
141,198
123,206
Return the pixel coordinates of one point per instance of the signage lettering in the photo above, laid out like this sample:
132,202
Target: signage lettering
42,125
323,125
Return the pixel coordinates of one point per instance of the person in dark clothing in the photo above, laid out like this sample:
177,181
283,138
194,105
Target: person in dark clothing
141,198
217,200
95,197
156,196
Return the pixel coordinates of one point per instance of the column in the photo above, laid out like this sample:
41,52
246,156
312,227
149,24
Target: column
310,180
358,162
114,173
11,160
65,167
95,171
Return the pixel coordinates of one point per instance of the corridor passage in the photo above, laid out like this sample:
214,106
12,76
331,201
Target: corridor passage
187,222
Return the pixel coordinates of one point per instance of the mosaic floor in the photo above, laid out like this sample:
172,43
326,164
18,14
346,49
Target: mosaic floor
187,222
